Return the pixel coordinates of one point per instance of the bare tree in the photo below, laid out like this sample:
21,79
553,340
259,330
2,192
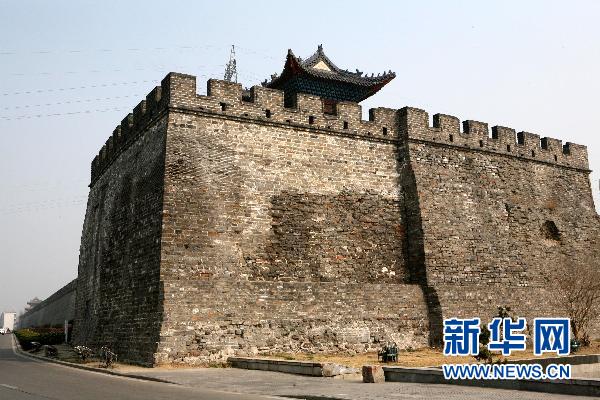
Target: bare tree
577,291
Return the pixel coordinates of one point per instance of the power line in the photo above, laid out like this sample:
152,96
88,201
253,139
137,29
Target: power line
100,85
244,49
71,102
31,116
94,71
62,114
46,202
39,207
257,53
96,86
105,50
42,185
43,205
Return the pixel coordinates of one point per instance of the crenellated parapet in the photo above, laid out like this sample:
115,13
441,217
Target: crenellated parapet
267,105
475,135
126,132
264,105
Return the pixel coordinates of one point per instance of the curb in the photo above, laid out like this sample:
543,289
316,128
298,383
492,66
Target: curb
308,368
572,387
18,350
575,359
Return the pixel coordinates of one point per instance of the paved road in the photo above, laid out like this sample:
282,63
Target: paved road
22,378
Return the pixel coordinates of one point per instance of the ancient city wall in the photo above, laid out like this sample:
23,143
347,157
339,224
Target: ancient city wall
55,310
283,230
229,224
118,292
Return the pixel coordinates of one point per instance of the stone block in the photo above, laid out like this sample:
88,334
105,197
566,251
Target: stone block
373,374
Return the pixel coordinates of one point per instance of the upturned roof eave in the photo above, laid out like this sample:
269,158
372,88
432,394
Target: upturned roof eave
295,67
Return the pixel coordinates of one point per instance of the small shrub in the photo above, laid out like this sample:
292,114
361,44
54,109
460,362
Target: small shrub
485,355
45,336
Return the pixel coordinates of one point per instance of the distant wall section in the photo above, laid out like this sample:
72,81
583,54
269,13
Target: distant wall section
55,310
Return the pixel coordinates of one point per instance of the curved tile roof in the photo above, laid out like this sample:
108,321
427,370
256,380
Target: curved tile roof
319,66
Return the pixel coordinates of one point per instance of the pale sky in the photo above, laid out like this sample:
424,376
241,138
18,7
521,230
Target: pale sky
70,72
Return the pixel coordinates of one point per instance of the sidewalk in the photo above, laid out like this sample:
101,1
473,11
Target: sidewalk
303,387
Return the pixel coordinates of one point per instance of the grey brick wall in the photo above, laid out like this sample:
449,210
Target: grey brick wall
217,226
483,209
118,299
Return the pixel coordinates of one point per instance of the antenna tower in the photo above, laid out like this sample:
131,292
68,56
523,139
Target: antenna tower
230,68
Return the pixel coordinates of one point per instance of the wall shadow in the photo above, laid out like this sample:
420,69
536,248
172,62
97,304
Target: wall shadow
345,237
414,247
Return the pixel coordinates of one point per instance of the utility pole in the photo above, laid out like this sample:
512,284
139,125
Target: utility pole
230,68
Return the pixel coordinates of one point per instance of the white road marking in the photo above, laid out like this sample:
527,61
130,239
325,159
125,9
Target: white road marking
9,386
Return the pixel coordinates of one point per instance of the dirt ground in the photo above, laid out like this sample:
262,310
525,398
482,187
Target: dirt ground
425,357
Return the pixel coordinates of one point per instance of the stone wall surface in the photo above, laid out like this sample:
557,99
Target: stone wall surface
55,310
263,203
484,216
118,291
301,226
209,320
220,225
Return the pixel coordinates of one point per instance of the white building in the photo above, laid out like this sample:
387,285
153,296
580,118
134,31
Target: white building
7,320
